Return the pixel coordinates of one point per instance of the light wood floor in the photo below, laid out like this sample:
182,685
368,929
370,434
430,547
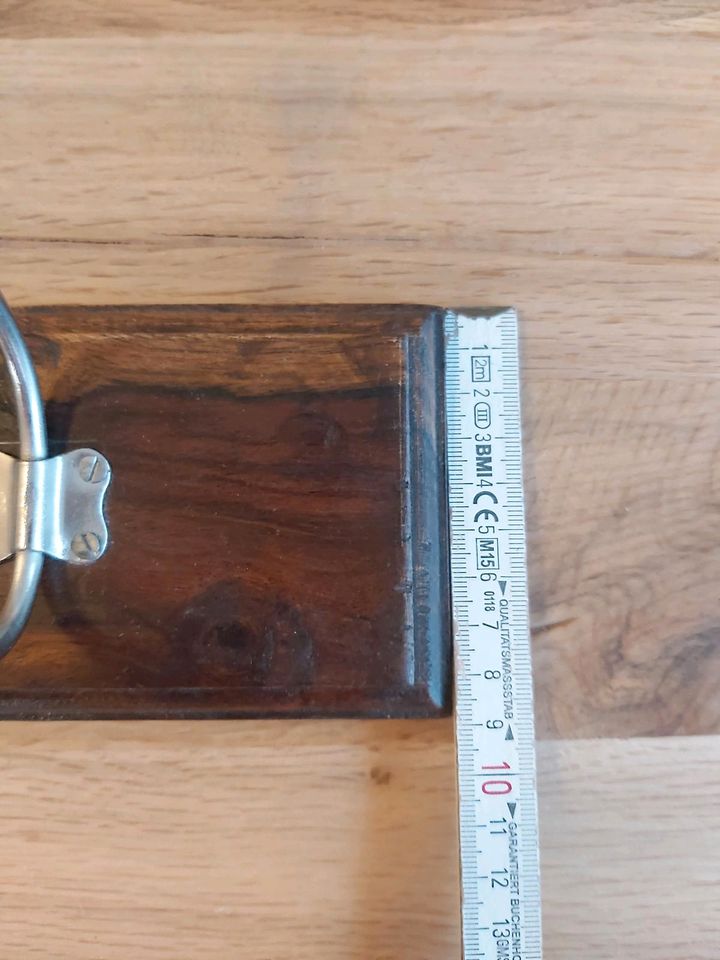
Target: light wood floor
557,155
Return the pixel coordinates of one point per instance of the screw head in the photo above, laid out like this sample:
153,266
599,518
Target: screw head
85,546
92,469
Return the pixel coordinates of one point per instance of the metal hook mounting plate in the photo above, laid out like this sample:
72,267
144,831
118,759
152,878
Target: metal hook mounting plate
60,509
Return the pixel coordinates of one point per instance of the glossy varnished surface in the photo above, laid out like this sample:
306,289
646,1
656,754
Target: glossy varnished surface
276,515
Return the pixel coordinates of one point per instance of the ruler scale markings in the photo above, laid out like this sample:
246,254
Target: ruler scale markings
494,715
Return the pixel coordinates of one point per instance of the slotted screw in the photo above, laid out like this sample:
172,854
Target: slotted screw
92,469
85,546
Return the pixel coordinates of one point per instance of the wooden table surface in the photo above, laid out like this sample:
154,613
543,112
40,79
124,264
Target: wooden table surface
557,155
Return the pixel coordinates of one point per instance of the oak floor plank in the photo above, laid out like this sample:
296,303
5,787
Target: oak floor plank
318,839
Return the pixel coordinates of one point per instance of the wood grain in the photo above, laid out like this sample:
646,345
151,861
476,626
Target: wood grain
325,839
554,154
277,516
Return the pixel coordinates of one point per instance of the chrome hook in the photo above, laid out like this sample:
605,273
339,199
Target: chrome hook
47,506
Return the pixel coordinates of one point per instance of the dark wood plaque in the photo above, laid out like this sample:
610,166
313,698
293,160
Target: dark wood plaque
278,515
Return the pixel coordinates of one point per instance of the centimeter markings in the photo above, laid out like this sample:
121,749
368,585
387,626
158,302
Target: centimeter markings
493,687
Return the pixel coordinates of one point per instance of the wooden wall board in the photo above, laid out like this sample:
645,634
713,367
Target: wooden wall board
277,515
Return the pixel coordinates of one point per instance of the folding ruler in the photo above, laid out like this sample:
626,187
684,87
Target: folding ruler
493,686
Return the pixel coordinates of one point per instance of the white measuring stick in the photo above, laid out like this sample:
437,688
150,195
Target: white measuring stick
493,686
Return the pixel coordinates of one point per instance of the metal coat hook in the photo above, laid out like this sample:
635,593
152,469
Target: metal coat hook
50,507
